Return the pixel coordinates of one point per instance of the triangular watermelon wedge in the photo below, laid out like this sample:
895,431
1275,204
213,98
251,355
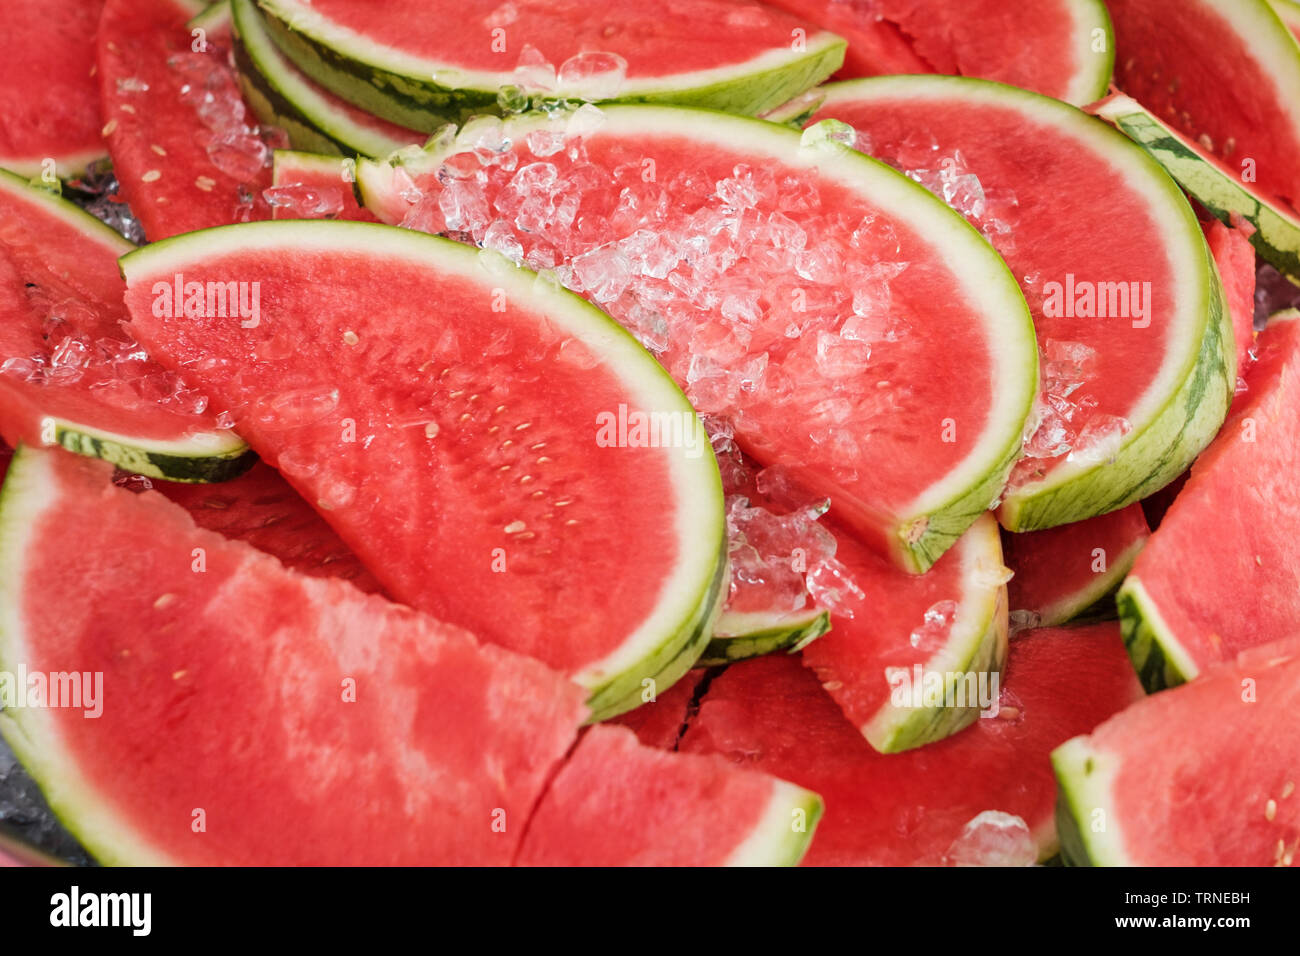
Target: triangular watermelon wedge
1202,775
335,707
787,284
314,186
1219,575
1133,331
69,373
619,803
454,418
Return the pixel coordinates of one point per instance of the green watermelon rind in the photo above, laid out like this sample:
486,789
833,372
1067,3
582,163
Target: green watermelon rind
1160,660
977,643
929,524
683,611
1089,85
774,840
278,96
1277,230
1084,779
27,492
1093,596
203,457
360,72
1288,11
738,637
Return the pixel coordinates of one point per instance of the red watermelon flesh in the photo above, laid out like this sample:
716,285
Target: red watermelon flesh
1231,531
656,38
1061,572
1201,775
1235,257
314,186
886,622
51,105
876,46
782,297
185,152
294,772
63,348
619,803
262,509
508,515
1097,372
771,714
1238,99
659,723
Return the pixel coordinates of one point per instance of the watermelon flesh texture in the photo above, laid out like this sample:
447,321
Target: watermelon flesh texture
1239,101
64,355
951,620
619,803
807,324
1050,47
771,714
51,106
178,131
262,509
1202,775
1129,395
313,186
1217,541
597,560
1235,258
660,722
378,780
1062,572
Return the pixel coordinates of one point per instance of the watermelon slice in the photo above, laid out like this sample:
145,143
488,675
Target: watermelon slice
1235,260
176,126
1060,48
1136,343
69,374
787,285
314,186
1204,775
428,62
341,726
50,112
262,509
600,555
740,635
1239,101
618,803
1216,183
1231,531
1061,573
314,118
924,806
951,621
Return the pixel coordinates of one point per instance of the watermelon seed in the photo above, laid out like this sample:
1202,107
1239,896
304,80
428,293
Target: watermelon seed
520,428
498,410
571,521
515,527
1270,810
179,674
466,417
169,599
109,128
544,460
126,108
494,429
526,479
537,446
151,176
537,494
431,430
206,183
563,502
351,338
1288,789
158,149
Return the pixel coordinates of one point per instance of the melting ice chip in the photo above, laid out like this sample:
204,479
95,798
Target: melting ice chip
593,76
994,838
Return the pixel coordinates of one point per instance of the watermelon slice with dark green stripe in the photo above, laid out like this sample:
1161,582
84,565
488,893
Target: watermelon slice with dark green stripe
314,186
315,119
1213,182
69,374
952,620
335,706
49,118
1064,572
1224,73
1135,337
442,409
428,62
1060,48
937,804
1202,775
1219,575
619,803
807,321
186,153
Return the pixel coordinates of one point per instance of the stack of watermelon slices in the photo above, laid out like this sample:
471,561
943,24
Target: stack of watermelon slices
673,388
